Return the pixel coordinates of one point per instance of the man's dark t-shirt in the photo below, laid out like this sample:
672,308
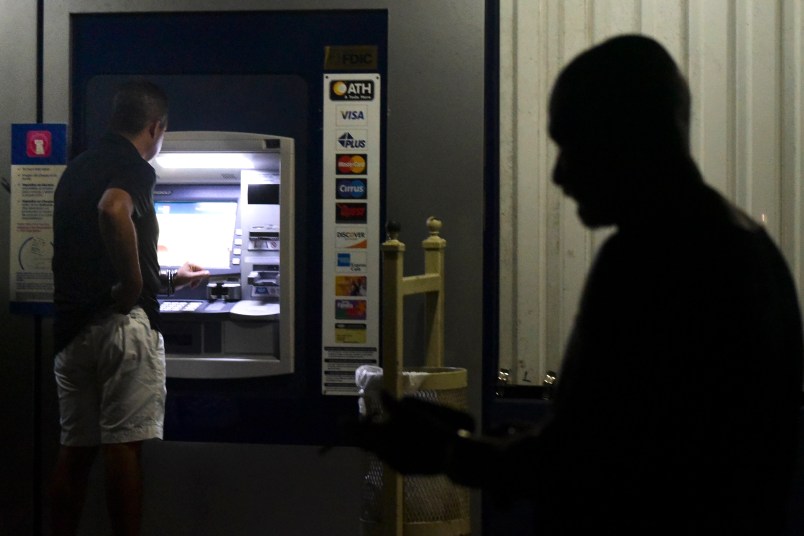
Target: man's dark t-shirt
83,270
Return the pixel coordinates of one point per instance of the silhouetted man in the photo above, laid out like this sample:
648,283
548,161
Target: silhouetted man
677,406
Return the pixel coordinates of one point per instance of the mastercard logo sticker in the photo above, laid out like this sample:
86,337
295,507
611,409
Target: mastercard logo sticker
351,164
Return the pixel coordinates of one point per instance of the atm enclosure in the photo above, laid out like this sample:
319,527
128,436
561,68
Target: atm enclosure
225,201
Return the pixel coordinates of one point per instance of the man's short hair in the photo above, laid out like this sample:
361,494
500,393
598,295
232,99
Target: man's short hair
626,91
136,104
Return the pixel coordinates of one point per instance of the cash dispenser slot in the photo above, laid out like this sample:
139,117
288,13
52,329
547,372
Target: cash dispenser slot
264,276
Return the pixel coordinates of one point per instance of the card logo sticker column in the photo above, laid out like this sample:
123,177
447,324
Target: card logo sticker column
351,282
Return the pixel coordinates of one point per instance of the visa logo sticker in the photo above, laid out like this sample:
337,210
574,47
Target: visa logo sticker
351,115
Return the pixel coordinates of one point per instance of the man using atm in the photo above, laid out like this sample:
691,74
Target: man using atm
110,361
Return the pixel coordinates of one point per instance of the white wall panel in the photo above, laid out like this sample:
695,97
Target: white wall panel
744,62
757,111
711,79
792,139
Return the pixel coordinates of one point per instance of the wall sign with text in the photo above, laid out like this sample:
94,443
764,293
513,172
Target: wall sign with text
38,158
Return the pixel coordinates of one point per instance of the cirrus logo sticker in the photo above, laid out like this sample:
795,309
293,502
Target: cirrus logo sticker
351,164
351,188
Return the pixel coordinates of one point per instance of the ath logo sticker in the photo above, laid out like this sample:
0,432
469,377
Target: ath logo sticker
351,90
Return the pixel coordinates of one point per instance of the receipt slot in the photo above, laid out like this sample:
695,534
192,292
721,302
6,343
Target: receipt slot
225,201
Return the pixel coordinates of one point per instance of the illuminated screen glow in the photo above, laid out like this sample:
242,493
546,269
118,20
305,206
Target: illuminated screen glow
204,161
198,232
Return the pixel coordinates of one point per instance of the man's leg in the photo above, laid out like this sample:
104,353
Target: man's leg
132,411
68,489
124,487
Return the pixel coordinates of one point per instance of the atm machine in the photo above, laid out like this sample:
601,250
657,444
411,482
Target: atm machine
225,201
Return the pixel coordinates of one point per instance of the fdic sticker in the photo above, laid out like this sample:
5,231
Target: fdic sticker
350,58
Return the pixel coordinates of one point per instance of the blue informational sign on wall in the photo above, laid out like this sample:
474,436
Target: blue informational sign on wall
38,158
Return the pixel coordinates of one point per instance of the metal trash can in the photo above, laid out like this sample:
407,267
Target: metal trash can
433,505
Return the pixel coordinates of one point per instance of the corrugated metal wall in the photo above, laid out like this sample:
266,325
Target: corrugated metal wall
744,62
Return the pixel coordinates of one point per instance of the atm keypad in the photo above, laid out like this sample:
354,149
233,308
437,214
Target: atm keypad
177,306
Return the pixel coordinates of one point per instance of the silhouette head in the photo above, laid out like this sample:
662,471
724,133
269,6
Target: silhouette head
619,113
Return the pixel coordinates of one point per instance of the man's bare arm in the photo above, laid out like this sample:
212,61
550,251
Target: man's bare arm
120,238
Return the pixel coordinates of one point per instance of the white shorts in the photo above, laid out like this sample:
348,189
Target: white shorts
111,382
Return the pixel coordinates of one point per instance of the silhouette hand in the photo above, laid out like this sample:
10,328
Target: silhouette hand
414,436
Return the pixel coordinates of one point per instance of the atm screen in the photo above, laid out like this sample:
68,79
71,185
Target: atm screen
197,231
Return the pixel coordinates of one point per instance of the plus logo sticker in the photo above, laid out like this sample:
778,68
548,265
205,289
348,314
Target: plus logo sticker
39,143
